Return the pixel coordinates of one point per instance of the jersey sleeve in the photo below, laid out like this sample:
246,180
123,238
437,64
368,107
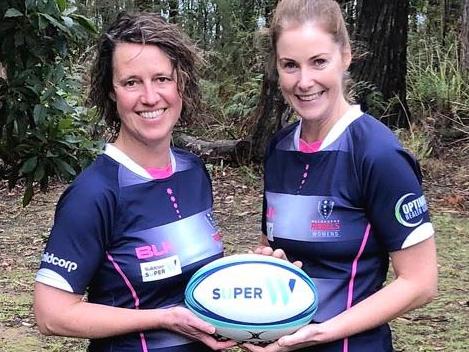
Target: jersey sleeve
82,225
393,196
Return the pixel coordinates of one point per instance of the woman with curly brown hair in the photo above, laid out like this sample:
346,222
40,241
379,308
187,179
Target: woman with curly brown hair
133,227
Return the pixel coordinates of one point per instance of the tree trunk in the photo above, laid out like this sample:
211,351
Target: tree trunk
382,27
269,112
271,107
465,36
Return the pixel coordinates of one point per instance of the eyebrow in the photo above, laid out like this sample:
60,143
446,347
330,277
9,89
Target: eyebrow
134,76
312,57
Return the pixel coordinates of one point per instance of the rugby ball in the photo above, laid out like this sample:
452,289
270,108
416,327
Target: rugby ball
252,298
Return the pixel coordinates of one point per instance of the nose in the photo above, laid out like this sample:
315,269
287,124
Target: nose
150,94
306,79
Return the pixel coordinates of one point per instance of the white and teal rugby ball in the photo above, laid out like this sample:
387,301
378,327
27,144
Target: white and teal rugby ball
251,297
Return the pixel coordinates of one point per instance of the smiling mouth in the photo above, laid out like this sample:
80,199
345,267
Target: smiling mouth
310,97
151,115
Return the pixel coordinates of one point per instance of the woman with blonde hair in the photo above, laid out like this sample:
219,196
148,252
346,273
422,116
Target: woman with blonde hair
341,195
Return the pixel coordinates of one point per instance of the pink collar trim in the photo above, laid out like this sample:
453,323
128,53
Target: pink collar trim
160,172
312,147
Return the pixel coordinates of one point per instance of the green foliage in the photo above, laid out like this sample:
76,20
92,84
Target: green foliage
370,95
438,90
230,106
435,82
417,140
42,131
245,98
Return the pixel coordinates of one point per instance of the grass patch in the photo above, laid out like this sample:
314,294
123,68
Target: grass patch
15,307
442,325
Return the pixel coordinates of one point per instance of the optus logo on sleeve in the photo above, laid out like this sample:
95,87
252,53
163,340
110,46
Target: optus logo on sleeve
408,209
52,259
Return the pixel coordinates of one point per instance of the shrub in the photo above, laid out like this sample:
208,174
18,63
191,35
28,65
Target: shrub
42,132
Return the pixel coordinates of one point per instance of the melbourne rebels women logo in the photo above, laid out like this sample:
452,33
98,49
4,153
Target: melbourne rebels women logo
325,207
325,226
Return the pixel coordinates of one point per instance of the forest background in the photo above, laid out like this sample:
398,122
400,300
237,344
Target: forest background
410,70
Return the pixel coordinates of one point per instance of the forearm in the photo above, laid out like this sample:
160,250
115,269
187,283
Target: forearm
398,297
415,284
66,314
88,320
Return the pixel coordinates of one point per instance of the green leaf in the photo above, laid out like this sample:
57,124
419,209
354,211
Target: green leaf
28,195
29,165
60,104
73,139
65,124
39,114
64,167
55,23
12,12
39,173
42,23
62,4
69,10
86,23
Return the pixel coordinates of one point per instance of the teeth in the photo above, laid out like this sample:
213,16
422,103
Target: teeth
309,97
152,114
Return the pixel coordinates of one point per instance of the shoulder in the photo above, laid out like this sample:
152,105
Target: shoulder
97,183
372,134
284,137
377,151
285,132
187,160
186,155
375,142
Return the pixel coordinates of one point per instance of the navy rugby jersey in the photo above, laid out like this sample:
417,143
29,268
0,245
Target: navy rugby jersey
132,241
341,210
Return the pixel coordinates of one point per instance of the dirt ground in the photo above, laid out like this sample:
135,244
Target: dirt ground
237,191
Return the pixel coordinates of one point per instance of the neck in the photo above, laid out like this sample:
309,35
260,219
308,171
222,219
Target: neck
317,130
147,156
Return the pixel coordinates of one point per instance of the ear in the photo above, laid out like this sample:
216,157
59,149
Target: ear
112,96
346,58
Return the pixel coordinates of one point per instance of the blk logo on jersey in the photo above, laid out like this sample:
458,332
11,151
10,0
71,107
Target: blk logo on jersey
409,209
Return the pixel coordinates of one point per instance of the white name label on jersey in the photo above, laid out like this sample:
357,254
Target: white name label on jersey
161,269
270,231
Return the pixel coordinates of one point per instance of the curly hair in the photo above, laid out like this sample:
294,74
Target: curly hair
152,29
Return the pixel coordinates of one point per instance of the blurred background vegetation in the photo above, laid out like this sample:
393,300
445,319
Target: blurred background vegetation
410,70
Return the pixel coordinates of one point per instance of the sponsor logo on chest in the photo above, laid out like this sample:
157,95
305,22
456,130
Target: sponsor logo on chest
325,226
